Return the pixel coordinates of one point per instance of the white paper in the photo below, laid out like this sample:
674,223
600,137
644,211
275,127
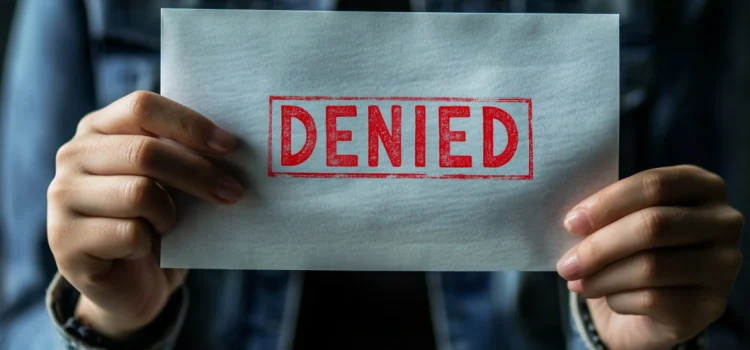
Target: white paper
556,76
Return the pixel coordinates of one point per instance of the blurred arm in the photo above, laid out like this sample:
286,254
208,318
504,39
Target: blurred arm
47,88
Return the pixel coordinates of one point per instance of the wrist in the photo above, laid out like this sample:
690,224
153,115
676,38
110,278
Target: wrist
115,332
62,300
586,324
112,326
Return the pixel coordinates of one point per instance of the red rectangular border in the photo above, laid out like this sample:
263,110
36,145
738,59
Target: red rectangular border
271,173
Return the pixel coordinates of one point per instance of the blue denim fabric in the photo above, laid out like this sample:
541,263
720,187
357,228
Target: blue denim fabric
69,57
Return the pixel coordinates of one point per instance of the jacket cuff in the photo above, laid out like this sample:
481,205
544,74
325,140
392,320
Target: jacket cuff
62,298
584,325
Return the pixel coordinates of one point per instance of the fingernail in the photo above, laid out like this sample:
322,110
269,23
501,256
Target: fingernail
578,222
229,189
568,267
221,140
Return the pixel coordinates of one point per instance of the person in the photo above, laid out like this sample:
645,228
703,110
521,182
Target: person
659,253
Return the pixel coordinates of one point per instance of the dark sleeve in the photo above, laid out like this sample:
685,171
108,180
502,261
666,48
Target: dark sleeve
732,330
47,88
160,335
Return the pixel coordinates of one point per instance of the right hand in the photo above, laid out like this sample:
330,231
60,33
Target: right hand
108,204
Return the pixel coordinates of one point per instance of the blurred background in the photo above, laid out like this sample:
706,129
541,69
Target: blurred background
6,13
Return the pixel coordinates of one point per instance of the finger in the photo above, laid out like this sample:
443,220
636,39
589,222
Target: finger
655,187
122,197
650,228
713,267
175,277
85,247
147,113
686,310
162,161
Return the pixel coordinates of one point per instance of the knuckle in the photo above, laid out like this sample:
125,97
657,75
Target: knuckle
649,267
732,258
650,299
140,153
653,186
588,252
141,103
138,191
130,232
718,182
739,259
692,168
189,126
735,220
65,152
715,308
58,236
652,223
57,192
85,123
687,171
57,233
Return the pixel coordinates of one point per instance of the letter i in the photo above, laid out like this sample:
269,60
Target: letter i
419,136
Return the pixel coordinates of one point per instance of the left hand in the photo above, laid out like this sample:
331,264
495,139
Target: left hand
659,257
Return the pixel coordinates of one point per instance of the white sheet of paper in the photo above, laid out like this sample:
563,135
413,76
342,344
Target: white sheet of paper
553,78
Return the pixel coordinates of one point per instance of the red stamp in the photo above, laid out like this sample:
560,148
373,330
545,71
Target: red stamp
400,137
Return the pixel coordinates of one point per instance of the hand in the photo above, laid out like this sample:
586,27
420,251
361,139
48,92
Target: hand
659,257
108,203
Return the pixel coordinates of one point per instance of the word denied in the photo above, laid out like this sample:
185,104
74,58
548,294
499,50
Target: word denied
400,137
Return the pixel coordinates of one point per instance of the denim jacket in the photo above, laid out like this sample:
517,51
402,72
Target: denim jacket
70,57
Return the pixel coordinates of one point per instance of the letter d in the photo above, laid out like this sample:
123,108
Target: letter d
311,135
